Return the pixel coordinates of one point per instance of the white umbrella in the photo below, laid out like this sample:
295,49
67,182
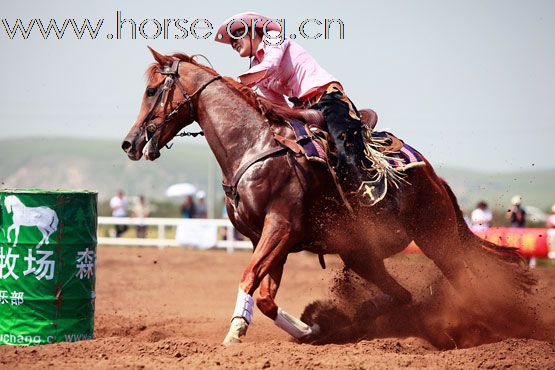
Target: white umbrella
181,190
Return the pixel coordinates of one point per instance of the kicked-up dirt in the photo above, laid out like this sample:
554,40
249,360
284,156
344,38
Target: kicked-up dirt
171,308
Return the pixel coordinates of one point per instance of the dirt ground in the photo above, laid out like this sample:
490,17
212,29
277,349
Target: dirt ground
171,308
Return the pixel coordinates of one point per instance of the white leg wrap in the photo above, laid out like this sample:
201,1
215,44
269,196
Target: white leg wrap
293,326
244,307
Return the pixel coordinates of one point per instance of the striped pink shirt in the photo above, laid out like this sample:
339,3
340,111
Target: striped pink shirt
290,71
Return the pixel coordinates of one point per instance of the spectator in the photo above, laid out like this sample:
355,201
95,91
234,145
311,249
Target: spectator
118,204
516,215
481,217
551,218
188,208
141,210
465,217
201,209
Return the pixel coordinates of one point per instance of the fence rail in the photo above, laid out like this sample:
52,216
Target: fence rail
531,242
161,241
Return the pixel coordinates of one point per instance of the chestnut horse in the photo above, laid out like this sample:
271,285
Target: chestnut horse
286,204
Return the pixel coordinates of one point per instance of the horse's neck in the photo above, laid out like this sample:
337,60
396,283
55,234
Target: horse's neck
234,130
16,204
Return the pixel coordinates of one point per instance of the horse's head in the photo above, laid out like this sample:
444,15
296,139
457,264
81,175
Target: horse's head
10,201
166,108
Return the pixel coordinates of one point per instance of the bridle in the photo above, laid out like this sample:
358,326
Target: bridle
161,98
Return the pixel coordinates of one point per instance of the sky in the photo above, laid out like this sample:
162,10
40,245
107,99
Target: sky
468,83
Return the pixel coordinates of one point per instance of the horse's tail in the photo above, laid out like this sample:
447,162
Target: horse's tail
503,254
54,222
509,254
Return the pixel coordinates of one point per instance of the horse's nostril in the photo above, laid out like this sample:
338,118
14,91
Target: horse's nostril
126,145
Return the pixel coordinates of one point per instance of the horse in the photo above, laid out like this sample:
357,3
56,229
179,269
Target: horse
285,204
44,218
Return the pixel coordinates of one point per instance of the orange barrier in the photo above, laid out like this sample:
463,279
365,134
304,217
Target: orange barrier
530,242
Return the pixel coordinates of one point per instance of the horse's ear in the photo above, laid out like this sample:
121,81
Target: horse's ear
160,58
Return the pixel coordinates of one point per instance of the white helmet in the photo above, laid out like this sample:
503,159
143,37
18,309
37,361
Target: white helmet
200,194
516,200
239,21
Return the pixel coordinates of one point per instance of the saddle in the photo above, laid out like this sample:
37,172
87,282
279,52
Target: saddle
312,139
315,118
388,155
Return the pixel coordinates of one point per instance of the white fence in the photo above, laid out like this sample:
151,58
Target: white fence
180,224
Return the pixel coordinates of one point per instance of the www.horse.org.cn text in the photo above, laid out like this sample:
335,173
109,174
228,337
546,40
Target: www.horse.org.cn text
127,28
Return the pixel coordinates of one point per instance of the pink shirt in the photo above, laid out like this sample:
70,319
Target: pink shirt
290,71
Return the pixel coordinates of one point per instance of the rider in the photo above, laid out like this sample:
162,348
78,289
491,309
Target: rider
282,67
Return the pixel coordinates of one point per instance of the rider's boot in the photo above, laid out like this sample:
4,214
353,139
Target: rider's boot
348,173
360,171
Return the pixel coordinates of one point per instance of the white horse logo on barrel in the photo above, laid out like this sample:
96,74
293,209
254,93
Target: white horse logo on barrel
44,218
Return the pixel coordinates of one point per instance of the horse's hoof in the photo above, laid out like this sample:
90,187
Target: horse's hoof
329,324
366,312
237,330
231,340
315,331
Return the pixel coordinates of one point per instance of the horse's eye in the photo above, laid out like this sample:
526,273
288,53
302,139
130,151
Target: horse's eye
150,91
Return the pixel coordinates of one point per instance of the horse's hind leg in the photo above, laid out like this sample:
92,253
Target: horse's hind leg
373,270
44,237
49,232
435,230
447,256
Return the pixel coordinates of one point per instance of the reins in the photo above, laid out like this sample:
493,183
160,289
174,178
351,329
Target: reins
172,77
162,95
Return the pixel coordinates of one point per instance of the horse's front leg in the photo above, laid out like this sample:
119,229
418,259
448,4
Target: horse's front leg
267,305
279,234
16,235
9,232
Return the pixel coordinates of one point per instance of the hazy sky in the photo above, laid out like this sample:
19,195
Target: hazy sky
468,83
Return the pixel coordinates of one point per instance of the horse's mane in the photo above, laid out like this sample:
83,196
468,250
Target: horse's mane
274,112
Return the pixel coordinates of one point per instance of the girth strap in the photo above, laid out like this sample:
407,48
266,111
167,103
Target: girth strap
231,190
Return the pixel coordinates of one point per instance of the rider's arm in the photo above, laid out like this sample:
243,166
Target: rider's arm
267,67
252,78
273,96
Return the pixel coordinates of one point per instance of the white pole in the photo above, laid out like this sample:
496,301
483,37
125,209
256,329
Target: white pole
211,196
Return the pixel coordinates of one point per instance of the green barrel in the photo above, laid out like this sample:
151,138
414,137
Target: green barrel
47,265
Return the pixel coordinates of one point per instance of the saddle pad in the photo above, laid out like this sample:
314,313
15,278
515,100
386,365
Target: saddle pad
403,157
313,150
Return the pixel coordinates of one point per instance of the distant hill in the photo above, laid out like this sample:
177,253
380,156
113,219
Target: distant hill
102,166
537,187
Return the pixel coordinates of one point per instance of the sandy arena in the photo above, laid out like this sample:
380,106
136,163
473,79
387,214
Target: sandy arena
171,308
